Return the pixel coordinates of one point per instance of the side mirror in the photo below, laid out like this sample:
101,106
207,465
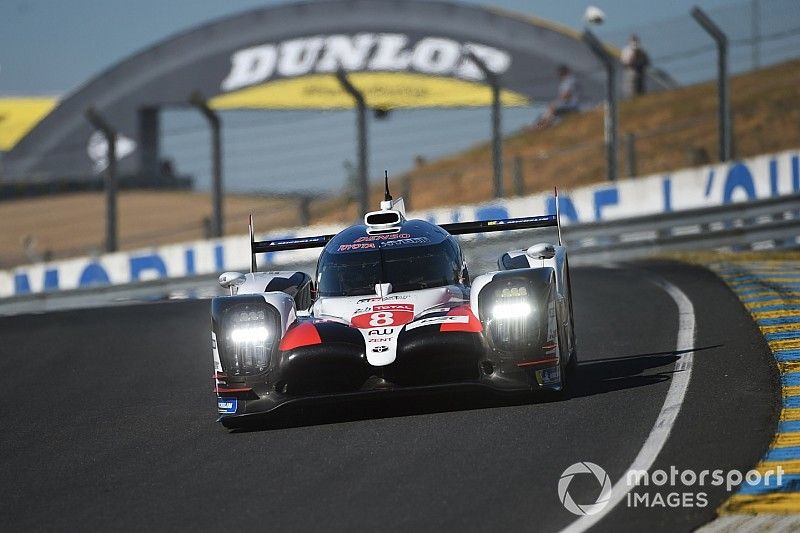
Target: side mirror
231,280
541,251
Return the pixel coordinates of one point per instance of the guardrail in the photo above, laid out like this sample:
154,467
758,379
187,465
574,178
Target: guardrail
765,224
773,223
203,286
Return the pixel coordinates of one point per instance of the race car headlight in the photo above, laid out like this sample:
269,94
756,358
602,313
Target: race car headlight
255,335
249,334
247,315
511,316
510,310
511,305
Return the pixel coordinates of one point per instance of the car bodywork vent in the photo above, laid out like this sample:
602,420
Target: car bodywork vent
382,222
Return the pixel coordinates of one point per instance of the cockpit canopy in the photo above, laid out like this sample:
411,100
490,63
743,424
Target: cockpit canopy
418,256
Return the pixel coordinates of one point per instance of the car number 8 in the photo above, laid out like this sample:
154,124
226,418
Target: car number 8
383,318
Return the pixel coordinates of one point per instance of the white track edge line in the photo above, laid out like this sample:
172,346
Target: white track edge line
669,410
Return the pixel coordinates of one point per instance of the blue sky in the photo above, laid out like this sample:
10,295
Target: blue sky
53,46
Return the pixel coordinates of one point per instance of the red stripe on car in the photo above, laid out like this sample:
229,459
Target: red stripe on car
304,334
538,362
472,325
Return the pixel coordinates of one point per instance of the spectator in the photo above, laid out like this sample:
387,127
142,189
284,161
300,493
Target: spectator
568,98
636,62
167,168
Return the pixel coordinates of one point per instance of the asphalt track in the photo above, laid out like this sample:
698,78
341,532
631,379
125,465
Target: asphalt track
108,422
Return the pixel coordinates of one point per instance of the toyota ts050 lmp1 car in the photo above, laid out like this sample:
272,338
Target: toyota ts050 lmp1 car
392,307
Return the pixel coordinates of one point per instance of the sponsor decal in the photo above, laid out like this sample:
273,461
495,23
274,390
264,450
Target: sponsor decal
301,240
391,90
385,315
543,218
375,52
227,406
357,246
384,299
394,307
384,331
449,319
405,242
381,340
390,236
548,376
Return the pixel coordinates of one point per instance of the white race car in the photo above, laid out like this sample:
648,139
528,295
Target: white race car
392,308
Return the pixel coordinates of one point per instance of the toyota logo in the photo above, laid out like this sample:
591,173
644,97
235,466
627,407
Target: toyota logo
380,349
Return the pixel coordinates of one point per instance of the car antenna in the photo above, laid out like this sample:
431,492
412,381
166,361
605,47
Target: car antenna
387,198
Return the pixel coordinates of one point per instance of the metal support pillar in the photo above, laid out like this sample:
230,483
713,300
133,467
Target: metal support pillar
149,158
723,90
214,121
610,118
519,176
630,154
109,176
497,132
361,132
304,210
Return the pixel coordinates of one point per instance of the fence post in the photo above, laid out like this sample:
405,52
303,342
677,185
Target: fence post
630,154
305,210
361,132
217,221
497,131
109,177
725,152
610,118
519,178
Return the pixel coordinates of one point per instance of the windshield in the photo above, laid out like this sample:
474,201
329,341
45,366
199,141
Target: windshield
407,269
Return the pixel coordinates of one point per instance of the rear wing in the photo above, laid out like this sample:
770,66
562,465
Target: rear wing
456,228
279,245
500,224
506,224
